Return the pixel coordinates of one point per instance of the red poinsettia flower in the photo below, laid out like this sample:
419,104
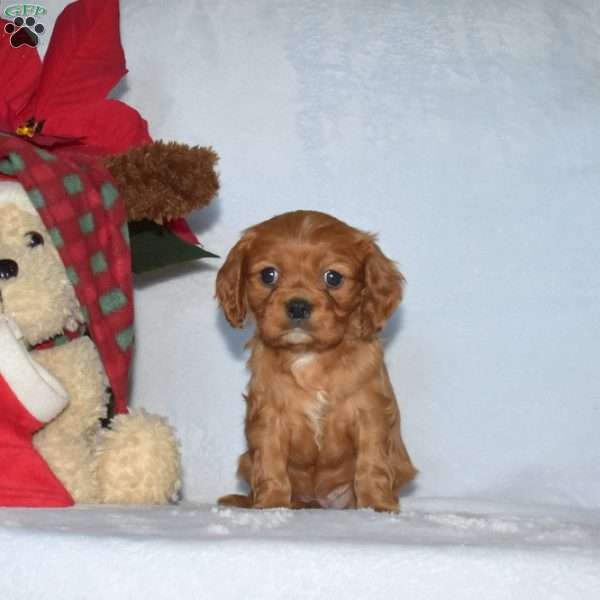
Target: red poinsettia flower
62,101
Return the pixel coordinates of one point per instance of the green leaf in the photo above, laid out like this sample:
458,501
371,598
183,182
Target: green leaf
154,246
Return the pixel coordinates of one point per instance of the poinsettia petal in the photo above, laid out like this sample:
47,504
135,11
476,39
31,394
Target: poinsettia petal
53,142
109,125
181,229
6,117
84,60
21,68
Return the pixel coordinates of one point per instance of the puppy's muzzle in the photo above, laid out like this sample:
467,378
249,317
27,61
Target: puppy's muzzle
8,268
299,309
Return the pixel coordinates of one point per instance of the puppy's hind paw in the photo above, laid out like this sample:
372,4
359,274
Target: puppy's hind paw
236,500
273,500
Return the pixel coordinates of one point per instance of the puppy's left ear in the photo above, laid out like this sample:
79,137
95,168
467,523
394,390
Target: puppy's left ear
382,292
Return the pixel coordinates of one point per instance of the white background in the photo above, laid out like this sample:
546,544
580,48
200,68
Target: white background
467,133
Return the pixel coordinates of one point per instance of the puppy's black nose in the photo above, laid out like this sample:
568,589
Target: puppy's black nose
8,268
299,309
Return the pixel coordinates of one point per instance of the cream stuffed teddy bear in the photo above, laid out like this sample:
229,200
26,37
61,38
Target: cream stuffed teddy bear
136,460
66,301
82,186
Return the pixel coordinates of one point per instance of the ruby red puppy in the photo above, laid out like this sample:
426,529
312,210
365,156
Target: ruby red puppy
322,422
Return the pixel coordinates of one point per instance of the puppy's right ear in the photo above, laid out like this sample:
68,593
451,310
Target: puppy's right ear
230,289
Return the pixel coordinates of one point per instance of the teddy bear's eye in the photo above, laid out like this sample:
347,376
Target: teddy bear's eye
33,239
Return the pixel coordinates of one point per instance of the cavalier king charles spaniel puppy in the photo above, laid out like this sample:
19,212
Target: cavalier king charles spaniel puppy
322,423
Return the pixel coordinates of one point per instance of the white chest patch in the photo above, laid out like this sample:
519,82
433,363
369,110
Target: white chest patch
316,412
302,361
317,408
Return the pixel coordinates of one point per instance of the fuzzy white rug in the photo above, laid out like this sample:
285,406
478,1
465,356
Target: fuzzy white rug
435,549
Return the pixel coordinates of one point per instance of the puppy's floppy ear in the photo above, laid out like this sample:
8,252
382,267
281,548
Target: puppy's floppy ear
382,292
230,290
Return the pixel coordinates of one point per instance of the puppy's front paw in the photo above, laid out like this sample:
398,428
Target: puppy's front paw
390,507
378,504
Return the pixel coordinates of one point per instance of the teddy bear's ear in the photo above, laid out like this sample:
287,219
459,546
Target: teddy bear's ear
163,181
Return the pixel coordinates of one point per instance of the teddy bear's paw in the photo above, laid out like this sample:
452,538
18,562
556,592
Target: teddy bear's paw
138,461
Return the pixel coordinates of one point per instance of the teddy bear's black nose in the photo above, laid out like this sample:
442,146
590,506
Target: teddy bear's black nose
8,268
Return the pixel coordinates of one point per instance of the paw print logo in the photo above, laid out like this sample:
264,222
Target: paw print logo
24,32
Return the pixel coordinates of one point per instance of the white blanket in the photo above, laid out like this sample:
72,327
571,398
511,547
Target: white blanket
435,549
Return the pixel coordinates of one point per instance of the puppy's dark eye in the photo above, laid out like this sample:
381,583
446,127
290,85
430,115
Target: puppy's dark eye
333,279
269,275
33,239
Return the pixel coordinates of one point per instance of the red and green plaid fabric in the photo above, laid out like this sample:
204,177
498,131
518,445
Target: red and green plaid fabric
80,206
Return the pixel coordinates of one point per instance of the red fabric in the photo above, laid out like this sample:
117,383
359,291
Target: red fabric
25,478
66,335
106,294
